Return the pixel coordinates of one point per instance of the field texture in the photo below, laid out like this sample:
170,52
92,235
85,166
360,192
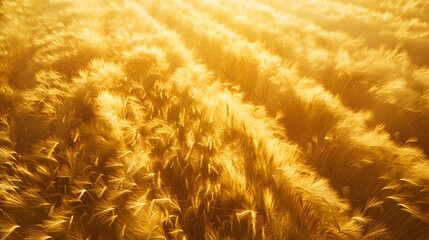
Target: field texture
214,119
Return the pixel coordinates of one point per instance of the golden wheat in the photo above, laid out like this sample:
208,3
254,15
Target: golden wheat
155,120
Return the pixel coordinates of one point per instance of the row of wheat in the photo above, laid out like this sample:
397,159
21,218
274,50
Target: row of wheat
336,139
380,80
158,120
415,9
373,26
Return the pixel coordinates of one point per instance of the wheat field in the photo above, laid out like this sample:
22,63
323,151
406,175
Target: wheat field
214,119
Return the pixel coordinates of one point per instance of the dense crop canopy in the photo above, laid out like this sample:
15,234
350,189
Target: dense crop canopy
214,119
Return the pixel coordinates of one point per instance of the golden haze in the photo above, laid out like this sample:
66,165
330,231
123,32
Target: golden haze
221,119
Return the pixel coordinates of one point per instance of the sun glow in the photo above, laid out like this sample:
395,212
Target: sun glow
214,119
